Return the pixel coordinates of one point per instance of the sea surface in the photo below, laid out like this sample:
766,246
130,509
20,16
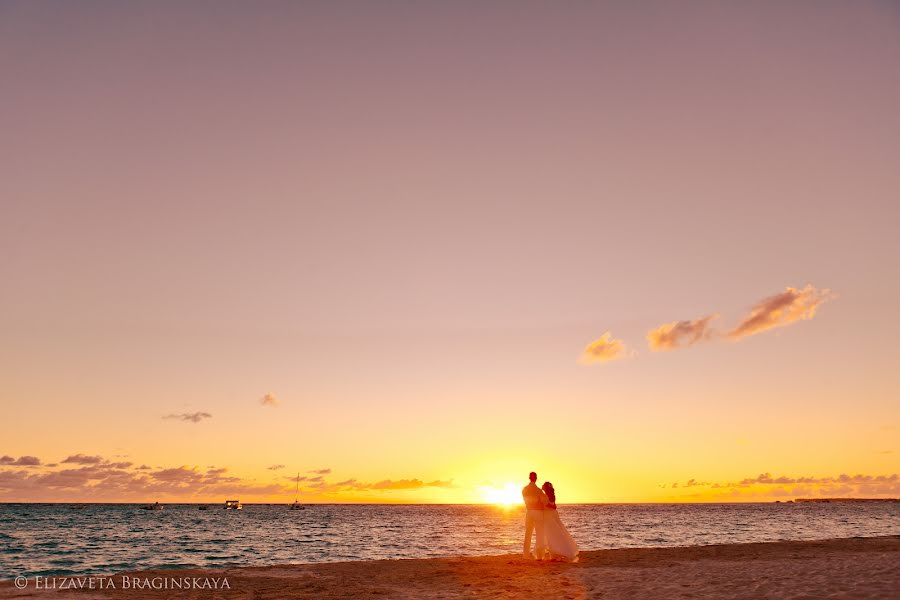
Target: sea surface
46,539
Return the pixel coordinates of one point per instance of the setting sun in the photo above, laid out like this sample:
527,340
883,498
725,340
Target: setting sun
507,495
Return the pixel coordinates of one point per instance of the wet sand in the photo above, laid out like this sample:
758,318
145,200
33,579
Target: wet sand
844,568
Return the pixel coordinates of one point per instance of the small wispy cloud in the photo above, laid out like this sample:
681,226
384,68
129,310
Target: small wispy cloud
275,467
83,459
409,484
766,484
603,349
189,417
94,461
782,309
269,400
778,310
22,461
689,484
679,334
321,471
383,485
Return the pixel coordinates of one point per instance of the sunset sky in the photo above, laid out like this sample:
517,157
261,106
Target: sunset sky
412,251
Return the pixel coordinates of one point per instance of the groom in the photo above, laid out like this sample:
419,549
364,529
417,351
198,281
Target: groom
535,500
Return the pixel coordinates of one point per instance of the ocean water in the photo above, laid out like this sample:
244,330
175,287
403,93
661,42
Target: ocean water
41,539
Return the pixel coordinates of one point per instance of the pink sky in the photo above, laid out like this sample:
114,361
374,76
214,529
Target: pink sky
406,223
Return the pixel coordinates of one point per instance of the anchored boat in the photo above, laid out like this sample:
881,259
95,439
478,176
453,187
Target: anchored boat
296,505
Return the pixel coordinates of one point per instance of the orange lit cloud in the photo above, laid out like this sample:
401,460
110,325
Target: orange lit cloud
94,478
22,461
191,417
603,349
296,479
768,485
781,309
81,459
386,484
775,311
269,400
679,334
109,481
409,484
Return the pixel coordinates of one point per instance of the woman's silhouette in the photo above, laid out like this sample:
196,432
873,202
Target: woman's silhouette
558,540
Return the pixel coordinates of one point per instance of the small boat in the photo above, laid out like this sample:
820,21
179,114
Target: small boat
296,505
154,506
233,505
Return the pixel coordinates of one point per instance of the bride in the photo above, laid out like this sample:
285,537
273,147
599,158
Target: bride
559,542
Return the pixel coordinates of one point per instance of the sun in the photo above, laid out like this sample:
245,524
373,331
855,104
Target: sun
507,495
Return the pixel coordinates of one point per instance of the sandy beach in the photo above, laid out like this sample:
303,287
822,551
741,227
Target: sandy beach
842,568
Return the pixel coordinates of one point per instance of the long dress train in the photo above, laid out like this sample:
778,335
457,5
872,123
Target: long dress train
558,540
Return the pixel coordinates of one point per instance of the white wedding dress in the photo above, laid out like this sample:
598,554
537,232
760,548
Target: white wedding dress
559,542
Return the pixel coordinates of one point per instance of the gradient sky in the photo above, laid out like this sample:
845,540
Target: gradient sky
406,222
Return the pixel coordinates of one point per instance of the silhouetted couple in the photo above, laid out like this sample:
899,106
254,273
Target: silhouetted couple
542,521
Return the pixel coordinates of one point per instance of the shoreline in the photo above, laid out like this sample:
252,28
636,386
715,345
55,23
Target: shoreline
844,567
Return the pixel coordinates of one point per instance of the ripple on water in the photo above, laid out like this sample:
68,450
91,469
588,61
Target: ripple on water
57,540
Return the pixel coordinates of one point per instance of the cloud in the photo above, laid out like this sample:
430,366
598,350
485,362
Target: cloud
692,483
780,310
22,461
389,484
843,479
766,484
82,459
269,400
192,417
603,349
775,311
679,334
184,477
93,478
99,479
409,484
275,467
320,486
183,474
